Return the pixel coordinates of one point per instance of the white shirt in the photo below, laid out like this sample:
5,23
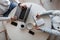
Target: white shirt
4,6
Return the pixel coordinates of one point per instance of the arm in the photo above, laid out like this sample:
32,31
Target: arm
8,18
51,31
5,18
47,12
51,12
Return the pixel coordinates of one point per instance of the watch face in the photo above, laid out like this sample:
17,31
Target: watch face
56,22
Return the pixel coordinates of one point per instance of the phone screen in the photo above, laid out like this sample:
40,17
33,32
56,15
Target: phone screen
31,32
14,23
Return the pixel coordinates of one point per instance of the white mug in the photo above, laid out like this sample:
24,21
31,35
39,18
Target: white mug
21,25
30,25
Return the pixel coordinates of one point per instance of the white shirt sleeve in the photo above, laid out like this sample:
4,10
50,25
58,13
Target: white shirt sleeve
4,6
5,18
5,2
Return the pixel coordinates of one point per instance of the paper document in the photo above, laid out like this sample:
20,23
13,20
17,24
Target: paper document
39,22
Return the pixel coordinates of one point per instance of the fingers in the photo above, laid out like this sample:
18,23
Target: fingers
14,18
37,16
36,27
22,6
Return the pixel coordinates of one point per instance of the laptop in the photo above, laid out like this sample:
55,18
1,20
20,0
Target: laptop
22,14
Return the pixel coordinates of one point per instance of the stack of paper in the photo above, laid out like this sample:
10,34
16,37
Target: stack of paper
39,22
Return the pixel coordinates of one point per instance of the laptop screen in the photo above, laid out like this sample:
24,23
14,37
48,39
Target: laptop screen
22,14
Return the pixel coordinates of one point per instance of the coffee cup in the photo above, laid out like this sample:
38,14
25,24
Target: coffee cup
21,25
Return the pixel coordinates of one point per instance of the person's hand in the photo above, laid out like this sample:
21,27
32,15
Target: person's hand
22,6
13,18
36,27
38,16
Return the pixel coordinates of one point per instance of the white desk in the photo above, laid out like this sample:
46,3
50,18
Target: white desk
15,33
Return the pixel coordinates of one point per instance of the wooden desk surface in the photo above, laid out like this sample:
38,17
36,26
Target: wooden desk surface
15,33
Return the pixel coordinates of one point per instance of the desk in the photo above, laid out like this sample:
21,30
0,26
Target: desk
15,33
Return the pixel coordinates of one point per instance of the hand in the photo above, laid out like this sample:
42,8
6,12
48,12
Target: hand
22,6
13,18
36,27
37,16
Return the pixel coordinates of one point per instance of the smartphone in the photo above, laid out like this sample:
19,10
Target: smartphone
14,23
31,32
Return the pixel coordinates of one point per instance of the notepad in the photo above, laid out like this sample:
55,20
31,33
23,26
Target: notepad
39,22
